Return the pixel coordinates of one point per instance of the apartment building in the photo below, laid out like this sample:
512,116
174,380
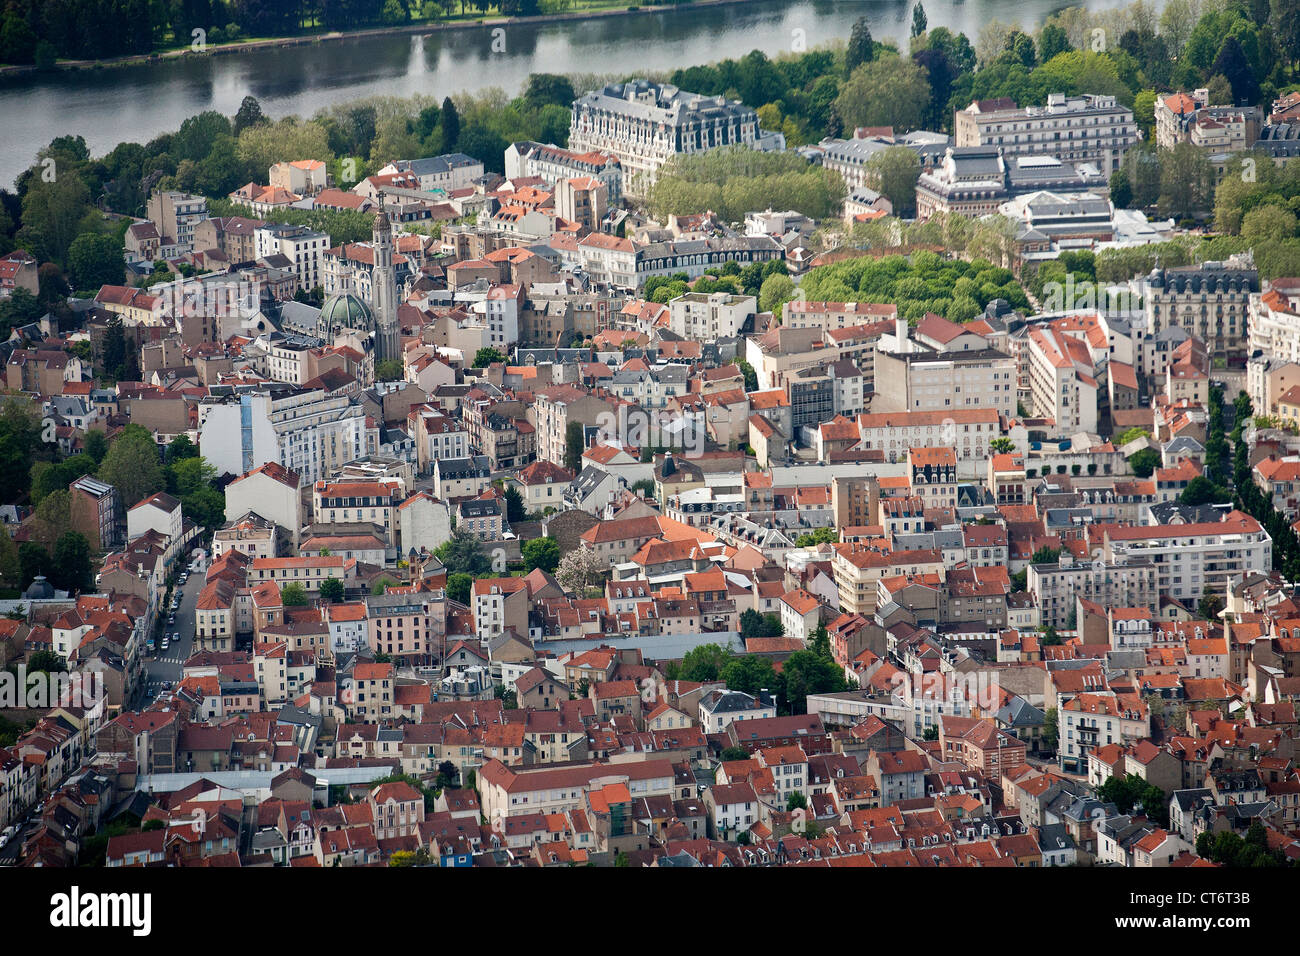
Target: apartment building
1089,128
857,571
555,164
1089,721
1274,324
1211,301
707,317
405,625
446,173
803,314
1189,118
303,250
646,124
1122,582
968,431
176,215
1192,557
913,377
96,511
309,570
305,430
1062,380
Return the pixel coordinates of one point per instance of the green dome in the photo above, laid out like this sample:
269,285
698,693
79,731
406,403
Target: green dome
343,309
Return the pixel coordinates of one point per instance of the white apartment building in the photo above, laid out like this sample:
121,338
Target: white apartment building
175,215
1062,381
500,310
966,430
803,314
556,164
1089,721
447,172
304,248
1056,585
1077,129
645,124
303,430
1274,321
706,317
924,380
1189,118
1191,557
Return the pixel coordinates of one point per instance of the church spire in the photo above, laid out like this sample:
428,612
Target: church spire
384,292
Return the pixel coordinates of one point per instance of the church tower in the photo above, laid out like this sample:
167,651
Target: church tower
383,284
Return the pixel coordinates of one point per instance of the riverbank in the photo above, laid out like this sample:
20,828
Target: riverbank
411,29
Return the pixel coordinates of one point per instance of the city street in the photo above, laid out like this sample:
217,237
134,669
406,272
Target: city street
166,665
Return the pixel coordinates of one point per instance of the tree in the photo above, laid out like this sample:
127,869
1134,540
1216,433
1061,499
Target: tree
1052,39
132,466
575,444
930,733
293,595
1210,604
1186,181
552,89
919,22
515,508
806,672
72,567
541,553
705,662
331,589
487,356
53,517
458,587
11,570
579,569
95,444
751,376
1232,65
1050,732
95,260
249,114
33,562
1201,491
1132,792
1002,446
775,292
861,48
749,673
450,123
885,92
182,448
380,586
894,172
391,370
1144,462
1121,190
463,552
820,536
1268,222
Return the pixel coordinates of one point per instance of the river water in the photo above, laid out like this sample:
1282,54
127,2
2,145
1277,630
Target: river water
136,103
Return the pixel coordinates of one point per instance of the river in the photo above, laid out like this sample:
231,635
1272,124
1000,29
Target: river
137,102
